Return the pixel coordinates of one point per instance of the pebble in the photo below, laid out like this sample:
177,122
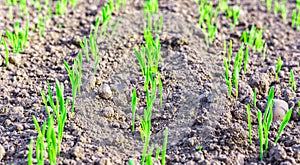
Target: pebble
105,91
15,59
108,112
2,152
77,152
278,153
280,107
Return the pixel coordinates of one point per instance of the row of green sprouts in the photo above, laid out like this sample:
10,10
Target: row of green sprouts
149,58
50,135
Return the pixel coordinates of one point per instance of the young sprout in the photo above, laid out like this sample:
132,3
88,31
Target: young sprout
283,13
249,122
246,58
278,67
260,135
284,122
164,149
292,80
254,98
269,5
276,7
133,108
200,148
29,158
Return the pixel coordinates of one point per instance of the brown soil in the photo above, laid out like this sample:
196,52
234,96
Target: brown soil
196,107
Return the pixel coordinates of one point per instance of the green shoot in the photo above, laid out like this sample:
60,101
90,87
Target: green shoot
283,13
130,162
41,27
133,108
164,149
284,122
157,153
29,158
75,77
200,148
226,77
18,38
269,5
223,4
249,122
246,59
85,48
276,7
278,67
260,135
292,80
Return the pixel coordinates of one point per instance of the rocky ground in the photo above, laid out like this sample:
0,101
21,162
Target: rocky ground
196,107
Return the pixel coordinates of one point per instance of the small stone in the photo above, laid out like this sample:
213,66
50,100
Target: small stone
90,83
77,152
288,94
2,152
278,153
105,91
280,107
15,59
108,112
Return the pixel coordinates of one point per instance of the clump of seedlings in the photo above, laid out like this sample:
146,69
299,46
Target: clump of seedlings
53,136
208,15
264,124
254,39
233,13
149,57
18,38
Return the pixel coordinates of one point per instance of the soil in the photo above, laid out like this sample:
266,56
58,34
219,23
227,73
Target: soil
196,107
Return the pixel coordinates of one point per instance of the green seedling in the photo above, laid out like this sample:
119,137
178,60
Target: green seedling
246,54
200,148
39,141
253,38
61,7
106,17
226,77
84,46
292,80
133,108
75,77
284,122
230,51
130,162
208,15
283,13
236,69
269,5
157,153
260,135
298,107
29,157
164,149
296,19
249,122
276,7
73,3
264,52
18,38
41,26
223,4
233,13
93,45
278,67
264,124
60,110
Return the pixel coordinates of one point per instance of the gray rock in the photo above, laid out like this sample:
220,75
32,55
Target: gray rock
77,151
278,153
105,91
90,84
108,112
280,107
15,59
2,152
